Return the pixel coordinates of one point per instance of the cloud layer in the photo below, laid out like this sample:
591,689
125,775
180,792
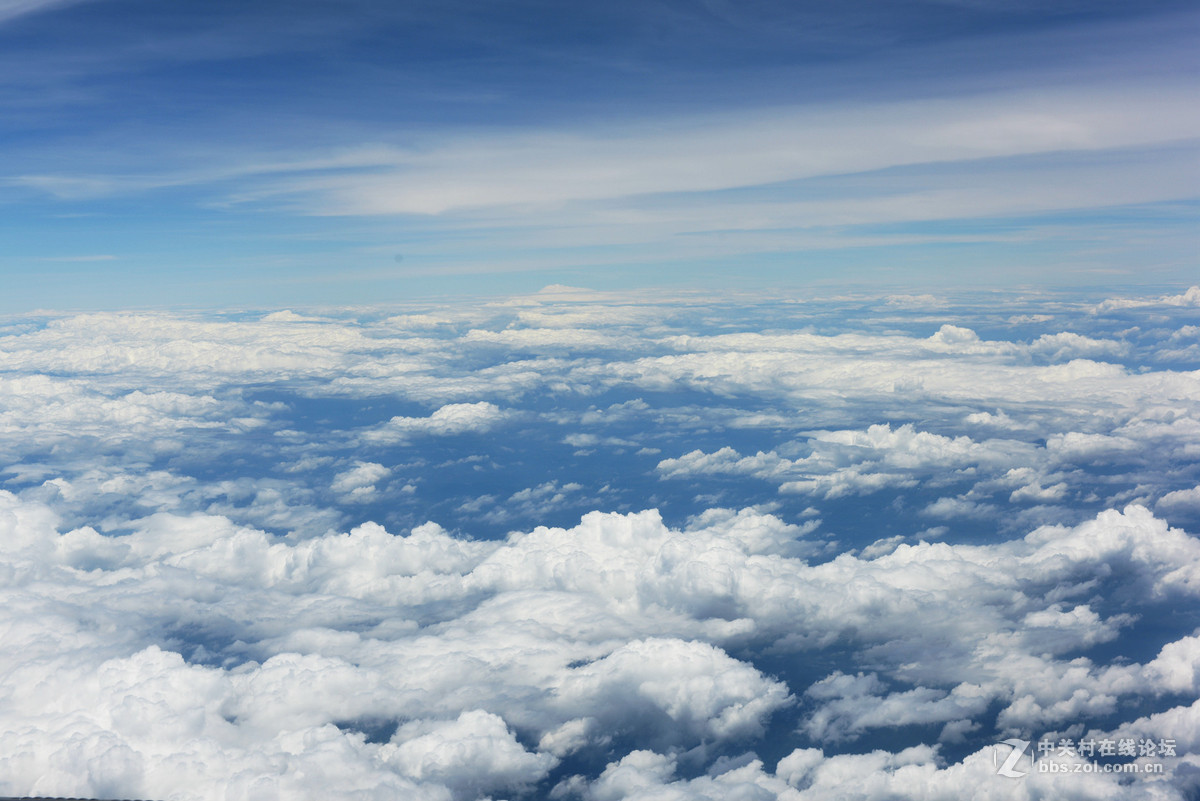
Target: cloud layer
683,549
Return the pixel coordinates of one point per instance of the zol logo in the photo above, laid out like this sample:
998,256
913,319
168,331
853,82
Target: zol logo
1009,768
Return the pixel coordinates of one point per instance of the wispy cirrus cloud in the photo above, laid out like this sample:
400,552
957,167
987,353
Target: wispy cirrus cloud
88,258
11,9
756,149
679,188
752,149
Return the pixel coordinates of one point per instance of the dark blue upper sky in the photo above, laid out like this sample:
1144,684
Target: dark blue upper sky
279,153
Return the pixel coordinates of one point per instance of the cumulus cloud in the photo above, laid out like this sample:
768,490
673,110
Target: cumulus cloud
809,775
701,692
545,498
1185,499
192,598
621,619
858,462
358,483
852,704
472,755
1066,345
451,419
1191,297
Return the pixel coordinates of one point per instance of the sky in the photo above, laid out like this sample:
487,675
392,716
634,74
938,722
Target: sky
269,154
543,401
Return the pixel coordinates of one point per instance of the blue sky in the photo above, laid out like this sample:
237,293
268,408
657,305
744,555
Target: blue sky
274,154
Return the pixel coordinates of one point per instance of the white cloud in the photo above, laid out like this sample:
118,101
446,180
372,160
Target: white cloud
358,483
1066,345
858,462
576,635
11,9
703,693
810,775
772,146
1191,297
958,507
156,637
1177,666
1034,492
1180,500
852,704
449,420
472,755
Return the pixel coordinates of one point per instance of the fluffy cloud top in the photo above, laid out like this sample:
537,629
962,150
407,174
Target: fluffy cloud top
453,418
564,639
683,550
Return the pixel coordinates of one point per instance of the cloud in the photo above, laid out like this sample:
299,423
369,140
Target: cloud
857,462
613,576
1180,500
1189,298
604,616
358,483
1034,492
958,507
529,502
1066,345
810,775
97,257
192,599
472,755
702,692
11,9
549,169
449,420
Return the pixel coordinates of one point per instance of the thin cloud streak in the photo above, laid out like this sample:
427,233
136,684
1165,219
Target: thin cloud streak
97,257
765,148
690,155
11,9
